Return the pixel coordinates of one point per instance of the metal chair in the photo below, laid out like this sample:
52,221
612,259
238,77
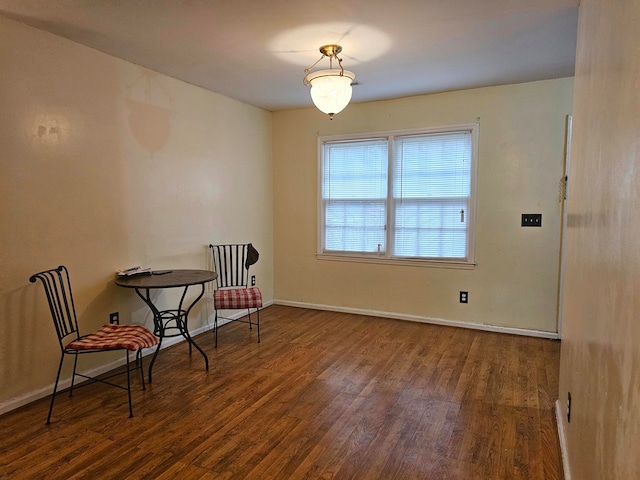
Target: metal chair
109,337
231,262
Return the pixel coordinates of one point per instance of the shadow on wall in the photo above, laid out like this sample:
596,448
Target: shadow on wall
29,348
23,311
150,112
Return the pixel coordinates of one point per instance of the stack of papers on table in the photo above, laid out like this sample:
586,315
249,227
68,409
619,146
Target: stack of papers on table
133,271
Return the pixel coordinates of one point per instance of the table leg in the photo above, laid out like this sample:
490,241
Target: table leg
155,354
158,327
180,316
185,329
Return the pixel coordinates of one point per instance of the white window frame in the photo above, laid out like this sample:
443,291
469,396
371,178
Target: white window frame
386,257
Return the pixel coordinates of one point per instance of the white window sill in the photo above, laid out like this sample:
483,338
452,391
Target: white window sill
409,262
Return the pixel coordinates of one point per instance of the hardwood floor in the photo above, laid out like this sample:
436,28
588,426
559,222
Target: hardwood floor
325,395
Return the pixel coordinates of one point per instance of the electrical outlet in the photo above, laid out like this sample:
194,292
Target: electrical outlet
464,297
568,407
253,280
114,318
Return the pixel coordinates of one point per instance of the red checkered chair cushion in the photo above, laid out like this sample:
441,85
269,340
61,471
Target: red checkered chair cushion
131,337
237,298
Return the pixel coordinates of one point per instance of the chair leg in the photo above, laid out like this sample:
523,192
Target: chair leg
55,389
215,327
140,367
258,315
250,325
129,386
73,377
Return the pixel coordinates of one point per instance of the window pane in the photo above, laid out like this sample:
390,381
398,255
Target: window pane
355,170
432,229
431,189
354,193
433,166
355,226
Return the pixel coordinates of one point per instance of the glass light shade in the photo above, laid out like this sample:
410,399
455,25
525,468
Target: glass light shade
330,91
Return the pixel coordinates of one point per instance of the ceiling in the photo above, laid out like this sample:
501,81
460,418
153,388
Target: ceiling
256,51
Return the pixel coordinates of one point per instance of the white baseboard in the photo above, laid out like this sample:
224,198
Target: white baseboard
18,402
415,318
563,441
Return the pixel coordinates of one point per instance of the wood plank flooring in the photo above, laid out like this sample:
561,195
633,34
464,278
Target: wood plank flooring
325,395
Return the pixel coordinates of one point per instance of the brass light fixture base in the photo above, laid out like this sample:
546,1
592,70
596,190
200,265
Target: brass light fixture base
330,50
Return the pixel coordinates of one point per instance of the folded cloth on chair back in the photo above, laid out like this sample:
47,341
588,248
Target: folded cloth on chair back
237,298
252,256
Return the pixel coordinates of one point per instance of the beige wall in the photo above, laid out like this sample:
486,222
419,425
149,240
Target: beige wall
104,165
600,359
521,157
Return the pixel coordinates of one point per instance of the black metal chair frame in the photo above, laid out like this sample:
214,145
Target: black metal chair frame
229,263
57,287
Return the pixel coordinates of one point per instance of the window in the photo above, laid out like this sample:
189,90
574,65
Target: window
399,196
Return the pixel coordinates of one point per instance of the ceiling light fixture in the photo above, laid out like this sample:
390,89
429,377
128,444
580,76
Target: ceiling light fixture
330,89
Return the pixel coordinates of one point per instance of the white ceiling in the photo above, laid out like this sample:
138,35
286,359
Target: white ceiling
256,50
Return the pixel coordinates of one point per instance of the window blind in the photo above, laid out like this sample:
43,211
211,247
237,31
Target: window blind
354,195
430,195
